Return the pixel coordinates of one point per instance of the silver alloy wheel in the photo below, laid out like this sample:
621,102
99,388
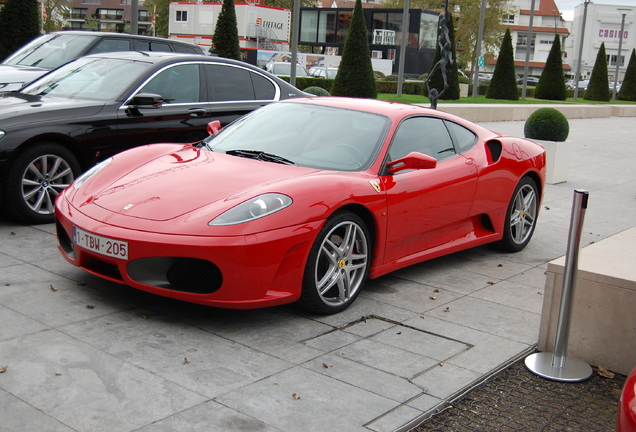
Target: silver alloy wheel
341,266
43,180
523,215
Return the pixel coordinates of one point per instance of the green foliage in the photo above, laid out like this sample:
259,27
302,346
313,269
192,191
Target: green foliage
552,83
225,39
503,84
462,80
91,24
547,124
598,88
391,78
19,24
628,88
378,75
162,8
355,74
317,91
436,80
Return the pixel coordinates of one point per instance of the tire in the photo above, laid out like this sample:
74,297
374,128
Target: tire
337,266
35,178
521,217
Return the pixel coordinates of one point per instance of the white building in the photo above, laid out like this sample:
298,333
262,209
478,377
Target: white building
602,25
258,26
546,23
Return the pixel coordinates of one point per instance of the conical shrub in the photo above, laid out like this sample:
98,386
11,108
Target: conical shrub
552,82
355,76
503,84
598,88
226,41
628,88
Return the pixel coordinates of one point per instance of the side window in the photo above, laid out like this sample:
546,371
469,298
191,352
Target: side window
426,135
142,45
177,84
182,48
464,138
263,88
228,83
182,16
160,46
111,45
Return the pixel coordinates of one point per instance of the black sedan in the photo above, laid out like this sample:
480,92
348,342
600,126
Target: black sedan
530,82
95,106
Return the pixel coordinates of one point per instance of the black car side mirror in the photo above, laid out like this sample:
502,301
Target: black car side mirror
145,100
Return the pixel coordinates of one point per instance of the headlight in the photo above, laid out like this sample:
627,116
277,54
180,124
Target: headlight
90,173
2,134
254,208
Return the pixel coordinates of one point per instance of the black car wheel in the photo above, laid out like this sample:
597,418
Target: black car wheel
338,264
521,217
35,178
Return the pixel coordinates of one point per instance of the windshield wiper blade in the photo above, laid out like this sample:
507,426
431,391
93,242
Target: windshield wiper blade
260,155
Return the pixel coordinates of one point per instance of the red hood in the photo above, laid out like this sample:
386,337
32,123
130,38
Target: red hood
179,182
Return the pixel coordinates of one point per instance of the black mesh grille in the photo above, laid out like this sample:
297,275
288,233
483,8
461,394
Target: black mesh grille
194,275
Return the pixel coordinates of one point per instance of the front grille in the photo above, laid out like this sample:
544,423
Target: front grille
195,276
183,274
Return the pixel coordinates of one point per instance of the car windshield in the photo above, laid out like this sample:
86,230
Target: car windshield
306,135
88,78
50,51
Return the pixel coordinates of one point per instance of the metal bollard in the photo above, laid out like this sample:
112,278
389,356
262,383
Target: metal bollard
558,366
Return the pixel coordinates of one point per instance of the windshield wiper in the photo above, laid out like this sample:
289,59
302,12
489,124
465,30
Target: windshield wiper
260,155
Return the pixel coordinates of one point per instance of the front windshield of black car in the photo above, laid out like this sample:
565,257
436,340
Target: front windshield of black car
88,78
306,135
51,51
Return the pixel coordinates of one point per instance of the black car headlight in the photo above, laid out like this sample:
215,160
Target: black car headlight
255,208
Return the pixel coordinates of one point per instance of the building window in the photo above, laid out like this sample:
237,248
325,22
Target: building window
522,39
78,13
182,16
545,42
611,60
508,19
110,14
94,2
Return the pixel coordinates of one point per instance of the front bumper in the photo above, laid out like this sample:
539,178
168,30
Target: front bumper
239,272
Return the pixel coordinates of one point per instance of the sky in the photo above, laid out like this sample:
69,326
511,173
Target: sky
566,7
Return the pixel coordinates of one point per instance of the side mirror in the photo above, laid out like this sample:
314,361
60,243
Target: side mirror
145,100
214,127
413,160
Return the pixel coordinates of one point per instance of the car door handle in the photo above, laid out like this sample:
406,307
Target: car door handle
196,112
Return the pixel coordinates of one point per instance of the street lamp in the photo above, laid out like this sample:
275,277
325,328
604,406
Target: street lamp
578,61
620,46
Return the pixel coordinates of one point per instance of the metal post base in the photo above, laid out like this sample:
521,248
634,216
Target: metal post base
575,370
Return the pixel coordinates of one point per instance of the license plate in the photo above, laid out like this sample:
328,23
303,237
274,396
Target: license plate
101,245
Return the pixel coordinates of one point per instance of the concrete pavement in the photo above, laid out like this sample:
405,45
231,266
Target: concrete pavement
84,354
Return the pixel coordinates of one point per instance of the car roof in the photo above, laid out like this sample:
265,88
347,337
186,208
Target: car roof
166,57
117,35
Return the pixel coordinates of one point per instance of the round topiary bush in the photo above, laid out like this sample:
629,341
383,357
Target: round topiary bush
391,78
317,91
547,124
378,75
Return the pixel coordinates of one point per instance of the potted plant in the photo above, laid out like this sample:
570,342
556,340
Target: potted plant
550,128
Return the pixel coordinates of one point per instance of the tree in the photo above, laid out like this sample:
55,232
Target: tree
225,40
162,9
628,88
436,80
552,82
355,74
503,84
54,9
19,24
598,88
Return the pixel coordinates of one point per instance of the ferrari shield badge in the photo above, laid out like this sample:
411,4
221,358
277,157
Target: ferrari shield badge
376,185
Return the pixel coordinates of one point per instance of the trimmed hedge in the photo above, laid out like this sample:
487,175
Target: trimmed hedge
547,124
